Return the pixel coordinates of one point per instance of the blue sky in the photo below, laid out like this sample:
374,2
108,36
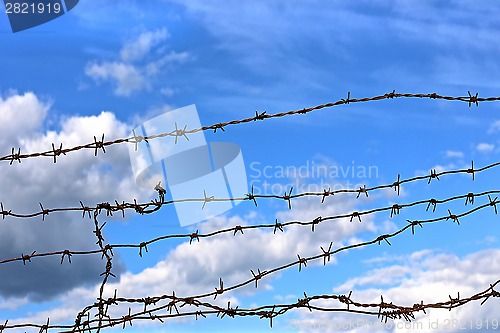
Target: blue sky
107,66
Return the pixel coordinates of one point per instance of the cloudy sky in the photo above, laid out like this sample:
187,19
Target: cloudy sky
108,67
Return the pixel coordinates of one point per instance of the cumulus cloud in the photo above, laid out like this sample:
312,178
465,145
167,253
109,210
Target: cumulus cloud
77,176
454,154
21,113
140,60
485,147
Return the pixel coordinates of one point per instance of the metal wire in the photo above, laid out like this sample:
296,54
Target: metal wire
95,316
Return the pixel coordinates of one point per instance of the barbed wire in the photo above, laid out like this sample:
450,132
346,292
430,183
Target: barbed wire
100,309
98,145
394,209
145,208
325,255
268,311
102,305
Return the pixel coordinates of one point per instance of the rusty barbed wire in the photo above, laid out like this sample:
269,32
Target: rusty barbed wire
394,210
271,311
101,144
145,208
398,312
96,316
302,261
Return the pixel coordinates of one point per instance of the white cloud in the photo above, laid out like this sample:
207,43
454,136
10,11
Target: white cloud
261,34
485,147
139,63
14,304
275,25
454,154
166,91
128,78
152,68
21,114
77,176
494,127
423,23
380,276
142,45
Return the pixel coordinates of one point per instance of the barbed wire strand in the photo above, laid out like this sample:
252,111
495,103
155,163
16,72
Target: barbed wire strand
98,145
145,208
394,210
102,319
301,262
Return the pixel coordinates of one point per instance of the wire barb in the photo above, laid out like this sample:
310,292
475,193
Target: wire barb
137,139
348,100
453,217
258,276
261,116
251,196
206,199
219,126
180,132
493,203
141,246
355,214
220,290
57,152
413,224
397,184
395,210
473,99
471,170
432,202
326,254
4,212
278,226
362,190
44,211
66,253
99,144
470,198
194,235
16,156
433,175
325,194
161,191
287,197
27,257
302,261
